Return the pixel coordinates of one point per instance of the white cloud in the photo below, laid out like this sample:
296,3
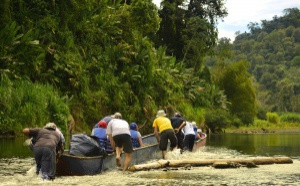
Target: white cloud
157,2
242,12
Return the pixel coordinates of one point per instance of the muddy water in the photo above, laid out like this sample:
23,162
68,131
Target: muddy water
21,171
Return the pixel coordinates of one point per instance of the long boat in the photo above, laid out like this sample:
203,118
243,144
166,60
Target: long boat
70,165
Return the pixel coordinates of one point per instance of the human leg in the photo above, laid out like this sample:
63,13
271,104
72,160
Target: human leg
48,163
127,161
173,139
128,149
180,138
163,144
38,158
189,142
123,141
164,152
118,156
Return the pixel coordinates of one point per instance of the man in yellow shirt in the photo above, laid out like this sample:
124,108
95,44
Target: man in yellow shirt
162,124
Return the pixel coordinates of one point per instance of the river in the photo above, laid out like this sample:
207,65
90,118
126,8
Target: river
19,168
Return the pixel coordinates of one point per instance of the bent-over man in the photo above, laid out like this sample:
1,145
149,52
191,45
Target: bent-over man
48,141
119,134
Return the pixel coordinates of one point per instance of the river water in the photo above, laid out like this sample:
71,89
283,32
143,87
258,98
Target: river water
20,169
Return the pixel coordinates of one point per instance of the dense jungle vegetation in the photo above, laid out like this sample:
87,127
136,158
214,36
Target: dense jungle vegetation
83,60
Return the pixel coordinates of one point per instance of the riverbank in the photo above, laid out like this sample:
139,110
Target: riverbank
251,130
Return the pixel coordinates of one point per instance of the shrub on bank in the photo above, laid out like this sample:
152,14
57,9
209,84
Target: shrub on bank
217,119
290,117
272,117
26,104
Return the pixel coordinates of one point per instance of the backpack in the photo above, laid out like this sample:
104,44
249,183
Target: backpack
84,145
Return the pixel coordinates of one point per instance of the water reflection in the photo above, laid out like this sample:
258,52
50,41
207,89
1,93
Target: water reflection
259,144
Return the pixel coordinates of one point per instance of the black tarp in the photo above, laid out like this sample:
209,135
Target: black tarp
84,145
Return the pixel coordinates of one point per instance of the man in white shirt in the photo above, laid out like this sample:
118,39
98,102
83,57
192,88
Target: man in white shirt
189,136
119,133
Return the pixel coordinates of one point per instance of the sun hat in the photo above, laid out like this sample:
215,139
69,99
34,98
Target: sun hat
160,113
177,114
117,115
50,126
194,123
133,126
102,124
195,128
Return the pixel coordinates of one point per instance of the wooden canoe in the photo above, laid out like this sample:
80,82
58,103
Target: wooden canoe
69,165
201,142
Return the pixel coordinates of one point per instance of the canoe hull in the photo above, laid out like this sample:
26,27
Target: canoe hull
69,165
200,143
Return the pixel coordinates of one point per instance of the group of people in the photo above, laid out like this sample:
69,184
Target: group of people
99,130
115,135
178,131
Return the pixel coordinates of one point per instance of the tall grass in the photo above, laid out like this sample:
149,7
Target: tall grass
290,117
26,104
272,117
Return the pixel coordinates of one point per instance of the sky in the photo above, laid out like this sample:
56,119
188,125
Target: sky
242,12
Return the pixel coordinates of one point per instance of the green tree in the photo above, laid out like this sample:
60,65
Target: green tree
236,82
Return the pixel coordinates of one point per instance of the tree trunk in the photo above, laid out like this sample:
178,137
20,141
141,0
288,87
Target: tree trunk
208,162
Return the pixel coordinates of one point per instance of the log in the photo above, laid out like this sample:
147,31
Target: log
209,162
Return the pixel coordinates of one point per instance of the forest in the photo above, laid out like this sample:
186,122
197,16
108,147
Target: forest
79,61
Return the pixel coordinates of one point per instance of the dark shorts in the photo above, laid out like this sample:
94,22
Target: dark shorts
164,137
124,140
180,138
189,141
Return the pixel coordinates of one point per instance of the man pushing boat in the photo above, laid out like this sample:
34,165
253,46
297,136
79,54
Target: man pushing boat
119,133
163,125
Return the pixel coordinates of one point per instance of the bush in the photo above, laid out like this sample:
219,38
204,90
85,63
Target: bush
25,104
237,122
272,117
217,119
261,123
261,113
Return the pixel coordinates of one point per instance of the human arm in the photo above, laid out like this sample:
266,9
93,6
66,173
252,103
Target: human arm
112,141
198,136
141,142
180,127
26,132
140,139
156,133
